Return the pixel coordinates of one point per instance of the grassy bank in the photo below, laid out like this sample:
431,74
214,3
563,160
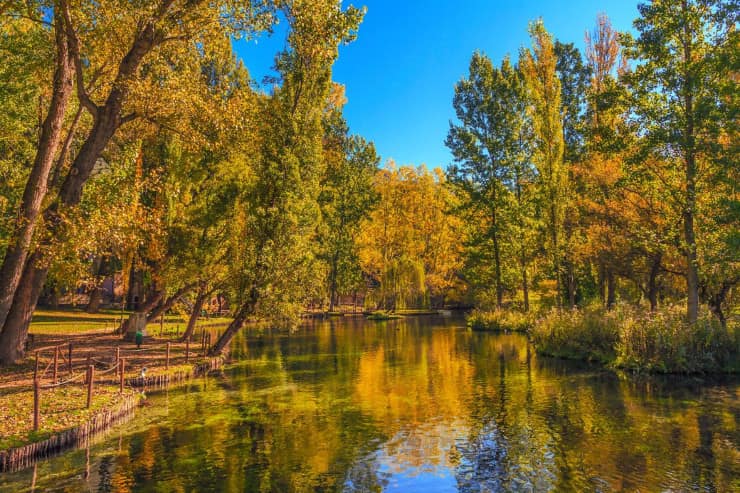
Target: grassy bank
661,342
75,320
500,320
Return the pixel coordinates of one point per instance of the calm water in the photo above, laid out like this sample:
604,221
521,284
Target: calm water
411,405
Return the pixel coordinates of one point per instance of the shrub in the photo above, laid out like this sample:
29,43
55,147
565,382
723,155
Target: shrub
499,320
588,334
665,342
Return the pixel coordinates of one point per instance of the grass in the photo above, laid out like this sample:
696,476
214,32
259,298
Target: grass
76,320
66,321
499,320
661,342
590,334
383,315
61,408
664,342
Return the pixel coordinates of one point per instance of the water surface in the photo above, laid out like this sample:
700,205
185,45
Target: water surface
413,405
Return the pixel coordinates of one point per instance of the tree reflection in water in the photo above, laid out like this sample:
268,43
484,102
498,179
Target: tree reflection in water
414,405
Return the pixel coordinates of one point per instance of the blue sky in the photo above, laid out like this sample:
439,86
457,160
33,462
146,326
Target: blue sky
401,71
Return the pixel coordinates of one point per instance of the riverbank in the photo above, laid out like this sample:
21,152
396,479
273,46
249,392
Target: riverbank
626,338
65,420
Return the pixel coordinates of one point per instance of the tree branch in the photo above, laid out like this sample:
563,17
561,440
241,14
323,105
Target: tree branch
74,48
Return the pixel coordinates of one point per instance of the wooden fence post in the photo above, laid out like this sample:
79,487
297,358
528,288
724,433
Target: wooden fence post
36,368
187,349
122,362
167,360
90,378
118,354
56,364
69,359
36,403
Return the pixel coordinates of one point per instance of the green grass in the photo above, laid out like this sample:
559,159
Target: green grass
383,315
61,408
499,320
76,320
630,339
664,342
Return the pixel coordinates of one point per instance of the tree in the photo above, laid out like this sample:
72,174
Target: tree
539,67
347,197
573,75
104,49
410,245
682,72
276,211
485,146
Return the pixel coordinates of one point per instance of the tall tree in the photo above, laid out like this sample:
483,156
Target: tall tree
347,197
573,74
683,60
539,67
277,209
484,145
114,89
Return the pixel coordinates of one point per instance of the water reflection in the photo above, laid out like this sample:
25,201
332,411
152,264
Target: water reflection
412,405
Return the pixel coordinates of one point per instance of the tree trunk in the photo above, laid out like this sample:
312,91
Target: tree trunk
96,298
96,294
611,289
145,307
106,121
570,273
525,288
195,314
692,269
17,251
162,308
555,252
497,263
333,283
235,326
652,291
13,338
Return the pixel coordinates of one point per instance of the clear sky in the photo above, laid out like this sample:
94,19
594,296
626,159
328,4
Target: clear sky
401,71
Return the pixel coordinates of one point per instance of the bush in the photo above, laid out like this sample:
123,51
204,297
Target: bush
664,342
499,320
589,334
653,342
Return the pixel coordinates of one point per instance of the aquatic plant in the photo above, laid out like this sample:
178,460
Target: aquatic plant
500,320
588,334
662,341
666,342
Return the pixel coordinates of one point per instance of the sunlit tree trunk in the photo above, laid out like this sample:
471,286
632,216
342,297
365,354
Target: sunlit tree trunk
17,251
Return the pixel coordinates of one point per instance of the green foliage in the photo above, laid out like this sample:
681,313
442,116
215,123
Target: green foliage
500,320
634,340
588,334
664,342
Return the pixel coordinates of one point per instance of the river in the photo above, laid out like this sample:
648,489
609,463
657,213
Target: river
413,405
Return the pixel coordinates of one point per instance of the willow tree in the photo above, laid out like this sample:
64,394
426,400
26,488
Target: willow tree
277,208
410,245
122,63
539,68
685,103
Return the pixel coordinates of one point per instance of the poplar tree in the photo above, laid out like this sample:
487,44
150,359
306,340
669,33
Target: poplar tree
539,67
